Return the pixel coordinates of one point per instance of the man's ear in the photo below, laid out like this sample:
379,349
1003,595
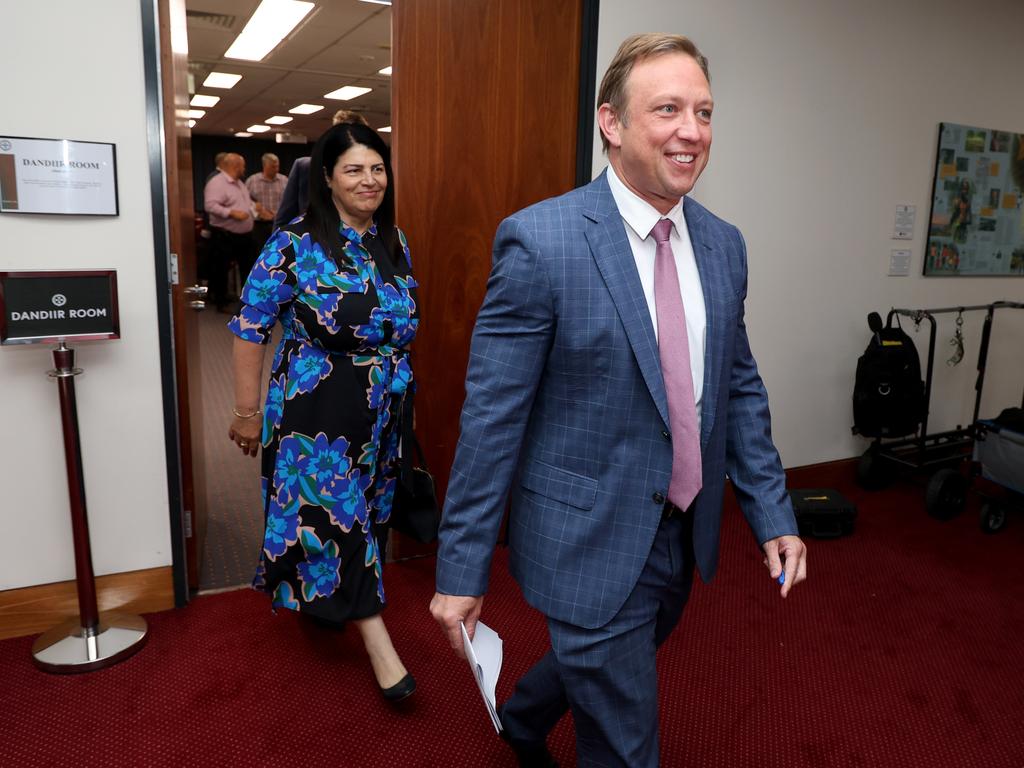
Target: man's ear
608,120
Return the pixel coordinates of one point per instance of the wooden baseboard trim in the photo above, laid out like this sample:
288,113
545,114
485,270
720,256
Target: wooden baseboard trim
31,610
829,474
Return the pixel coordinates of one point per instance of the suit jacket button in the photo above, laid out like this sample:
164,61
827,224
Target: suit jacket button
659,497
665,434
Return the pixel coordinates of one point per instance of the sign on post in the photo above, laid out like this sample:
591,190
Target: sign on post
45,307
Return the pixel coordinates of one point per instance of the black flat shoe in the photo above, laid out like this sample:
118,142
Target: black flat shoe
403,689
530,754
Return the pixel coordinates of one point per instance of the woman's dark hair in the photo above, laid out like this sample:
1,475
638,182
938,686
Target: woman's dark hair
322,215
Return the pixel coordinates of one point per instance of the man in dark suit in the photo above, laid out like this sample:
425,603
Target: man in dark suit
611,386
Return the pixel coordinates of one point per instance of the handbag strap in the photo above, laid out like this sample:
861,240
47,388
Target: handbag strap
409,441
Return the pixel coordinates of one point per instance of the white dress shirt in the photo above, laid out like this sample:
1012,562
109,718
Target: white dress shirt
640,218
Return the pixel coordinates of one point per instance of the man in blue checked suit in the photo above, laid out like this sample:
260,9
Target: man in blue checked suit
611,389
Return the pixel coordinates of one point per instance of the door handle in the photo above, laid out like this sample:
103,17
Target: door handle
199,291
198,306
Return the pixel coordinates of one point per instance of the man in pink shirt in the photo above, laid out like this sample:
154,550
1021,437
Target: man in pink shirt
231,211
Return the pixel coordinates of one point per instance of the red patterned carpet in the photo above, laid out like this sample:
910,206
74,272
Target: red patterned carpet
904,649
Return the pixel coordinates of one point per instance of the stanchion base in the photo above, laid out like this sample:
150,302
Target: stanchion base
69,648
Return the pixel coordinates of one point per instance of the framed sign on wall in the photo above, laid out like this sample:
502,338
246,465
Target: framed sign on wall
45,307
57,176
976,225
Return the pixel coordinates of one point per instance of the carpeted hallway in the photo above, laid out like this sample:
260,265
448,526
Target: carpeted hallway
234,508
903,649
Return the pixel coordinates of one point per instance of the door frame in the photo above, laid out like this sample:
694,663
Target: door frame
156,157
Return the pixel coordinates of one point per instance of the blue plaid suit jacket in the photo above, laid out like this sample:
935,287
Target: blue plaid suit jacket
566,414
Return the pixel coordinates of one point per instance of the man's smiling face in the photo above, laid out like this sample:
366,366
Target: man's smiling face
661,144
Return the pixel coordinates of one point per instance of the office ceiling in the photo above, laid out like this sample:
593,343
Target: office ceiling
340,42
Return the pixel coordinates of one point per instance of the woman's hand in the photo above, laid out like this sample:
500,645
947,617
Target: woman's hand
245,433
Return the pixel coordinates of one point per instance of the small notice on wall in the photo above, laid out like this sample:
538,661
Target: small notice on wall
904,229
57,176
899,263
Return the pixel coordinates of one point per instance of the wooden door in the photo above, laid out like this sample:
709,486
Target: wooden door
485,122
186,301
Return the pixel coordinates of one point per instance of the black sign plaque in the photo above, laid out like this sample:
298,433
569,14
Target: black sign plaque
45,307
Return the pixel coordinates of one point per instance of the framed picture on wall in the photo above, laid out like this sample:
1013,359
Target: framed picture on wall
57,176
976,225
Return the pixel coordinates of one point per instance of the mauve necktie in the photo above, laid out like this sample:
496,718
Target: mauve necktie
674,350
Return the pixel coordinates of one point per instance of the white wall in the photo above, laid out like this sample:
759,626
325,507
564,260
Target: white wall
75,70
826,117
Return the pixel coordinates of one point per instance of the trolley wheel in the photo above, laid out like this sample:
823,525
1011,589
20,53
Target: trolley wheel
946,494
993,517
871,474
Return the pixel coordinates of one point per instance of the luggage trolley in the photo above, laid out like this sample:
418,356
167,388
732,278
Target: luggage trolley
999,458
941,453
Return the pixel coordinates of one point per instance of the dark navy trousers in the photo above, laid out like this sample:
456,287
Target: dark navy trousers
607,676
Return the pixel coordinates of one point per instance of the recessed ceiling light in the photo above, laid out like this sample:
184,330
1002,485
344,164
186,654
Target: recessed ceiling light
278,120
195,114
221,80
258,128
306,109
269,25
385,129
385,71
378,2
243,134
202,100
347,93
191,123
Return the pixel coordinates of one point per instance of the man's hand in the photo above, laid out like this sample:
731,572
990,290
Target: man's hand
238,215
449,610
789,554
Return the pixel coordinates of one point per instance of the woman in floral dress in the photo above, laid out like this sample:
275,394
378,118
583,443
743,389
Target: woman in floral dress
339,281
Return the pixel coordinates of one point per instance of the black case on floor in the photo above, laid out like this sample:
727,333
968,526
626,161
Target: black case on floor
823,513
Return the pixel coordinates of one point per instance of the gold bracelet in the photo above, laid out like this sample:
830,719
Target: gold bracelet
257,412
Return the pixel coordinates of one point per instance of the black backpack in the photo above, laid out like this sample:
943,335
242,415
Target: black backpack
888,394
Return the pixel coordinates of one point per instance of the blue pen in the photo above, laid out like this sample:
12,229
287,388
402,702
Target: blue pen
782,578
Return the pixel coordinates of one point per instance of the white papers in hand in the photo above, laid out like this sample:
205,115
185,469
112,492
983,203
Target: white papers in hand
484,654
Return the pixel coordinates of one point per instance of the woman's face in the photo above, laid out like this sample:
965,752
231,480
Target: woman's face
357,185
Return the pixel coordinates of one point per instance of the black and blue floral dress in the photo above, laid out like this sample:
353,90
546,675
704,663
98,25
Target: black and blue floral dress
330,442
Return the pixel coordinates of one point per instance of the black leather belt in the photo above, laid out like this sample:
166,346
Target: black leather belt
671,512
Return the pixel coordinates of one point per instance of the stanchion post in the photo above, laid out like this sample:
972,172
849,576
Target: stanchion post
64,372
91,641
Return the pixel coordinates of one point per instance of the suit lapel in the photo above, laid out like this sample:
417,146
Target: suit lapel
606,235
709,268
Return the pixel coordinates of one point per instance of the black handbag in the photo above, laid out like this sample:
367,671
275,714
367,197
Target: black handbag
414,510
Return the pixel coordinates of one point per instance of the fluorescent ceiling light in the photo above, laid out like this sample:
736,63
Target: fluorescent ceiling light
195,114
243,134
202,100
191,123
221,80
378,2
305,109
258,128
385,71
347,93
278,120
272,21
385,129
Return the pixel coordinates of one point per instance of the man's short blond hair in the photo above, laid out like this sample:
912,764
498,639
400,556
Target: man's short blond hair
348,116
638,48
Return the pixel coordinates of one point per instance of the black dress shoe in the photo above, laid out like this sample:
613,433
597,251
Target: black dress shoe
530,754
403,689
